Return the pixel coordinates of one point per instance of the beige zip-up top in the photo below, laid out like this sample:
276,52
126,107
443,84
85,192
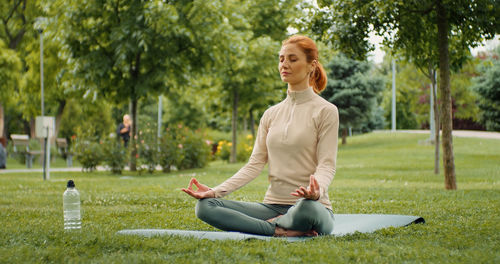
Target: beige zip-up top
297,137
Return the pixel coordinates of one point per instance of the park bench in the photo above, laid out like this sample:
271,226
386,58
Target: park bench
21,145
62,148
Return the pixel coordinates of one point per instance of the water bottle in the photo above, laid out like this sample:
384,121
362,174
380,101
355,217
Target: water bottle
71,206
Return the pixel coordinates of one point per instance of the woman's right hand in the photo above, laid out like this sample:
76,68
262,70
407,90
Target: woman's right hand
203,191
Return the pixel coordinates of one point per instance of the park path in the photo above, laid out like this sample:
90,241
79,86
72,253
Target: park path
456,133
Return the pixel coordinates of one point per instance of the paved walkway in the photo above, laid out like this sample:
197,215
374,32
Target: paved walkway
456,133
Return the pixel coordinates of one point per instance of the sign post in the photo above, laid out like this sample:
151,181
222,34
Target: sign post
44,128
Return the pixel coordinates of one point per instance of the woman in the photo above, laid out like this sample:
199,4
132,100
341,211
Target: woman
124,129
298,138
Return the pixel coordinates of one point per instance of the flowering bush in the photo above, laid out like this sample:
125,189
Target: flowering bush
244,148
183,148
115,155
88,151
195,150
147,148
224,150
170,153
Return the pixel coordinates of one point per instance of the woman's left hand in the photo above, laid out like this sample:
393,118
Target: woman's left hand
312,191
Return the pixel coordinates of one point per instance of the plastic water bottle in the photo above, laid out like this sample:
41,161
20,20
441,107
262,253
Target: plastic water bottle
71,206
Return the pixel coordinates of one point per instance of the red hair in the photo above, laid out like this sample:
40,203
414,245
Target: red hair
318,77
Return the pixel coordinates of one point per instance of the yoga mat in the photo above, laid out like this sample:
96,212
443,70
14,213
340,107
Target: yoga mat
344,224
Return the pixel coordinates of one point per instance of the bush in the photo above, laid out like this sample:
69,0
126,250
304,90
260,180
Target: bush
244,149
183,148
195,150
115,155
224,150
89,152
147,148
170,154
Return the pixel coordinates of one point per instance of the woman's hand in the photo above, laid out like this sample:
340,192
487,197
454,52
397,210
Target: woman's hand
203,191
312,191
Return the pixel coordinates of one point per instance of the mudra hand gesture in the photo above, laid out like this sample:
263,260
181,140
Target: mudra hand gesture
312,192
203,191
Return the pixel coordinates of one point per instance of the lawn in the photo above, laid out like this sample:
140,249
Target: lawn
389,173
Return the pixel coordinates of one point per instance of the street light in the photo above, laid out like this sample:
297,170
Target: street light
393,112
39,24
43,127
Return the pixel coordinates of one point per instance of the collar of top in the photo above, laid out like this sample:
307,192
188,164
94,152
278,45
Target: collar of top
298,97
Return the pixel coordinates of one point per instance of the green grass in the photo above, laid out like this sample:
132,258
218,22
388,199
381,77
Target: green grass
377,173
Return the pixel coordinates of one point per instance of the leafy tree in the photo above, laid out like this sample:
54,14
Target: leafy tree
17,17
10,71
487,86
351,88
249,73
21,20
409,82
406,26
124,50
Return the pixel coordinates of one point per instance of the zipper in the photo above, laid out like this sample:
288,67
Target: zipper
294,103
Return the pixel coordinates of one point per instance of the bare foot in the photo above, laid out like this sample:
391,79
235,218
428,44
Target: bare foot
270,220
281,232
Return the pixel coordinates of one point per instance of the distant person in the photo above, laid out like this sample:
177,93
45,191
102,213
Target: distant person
298,138
124,130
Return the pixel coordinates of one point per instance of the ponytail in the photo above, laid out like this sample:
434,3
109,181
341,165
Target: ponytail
318,78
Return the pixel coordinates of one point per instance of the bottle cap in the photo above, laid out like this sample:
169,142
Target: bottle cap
71,184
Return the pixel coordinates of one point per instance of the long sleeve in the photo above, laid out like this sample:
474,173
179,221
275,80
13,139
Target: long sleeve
327,149
252,169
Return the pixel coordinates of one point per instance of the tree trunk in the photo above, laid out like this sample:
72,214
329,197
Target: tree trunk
446,115
133,153
234,126
344,136
32,125
60,111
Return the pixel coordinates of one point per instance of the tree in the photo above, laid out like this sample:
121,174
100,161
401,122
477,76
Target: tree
124,50
487,86
405,26
21,22
10,76
353,91
17,17
249,73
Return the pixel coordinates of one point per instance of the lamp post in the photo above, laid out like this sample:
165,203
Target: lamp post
41,68
45,128
393,112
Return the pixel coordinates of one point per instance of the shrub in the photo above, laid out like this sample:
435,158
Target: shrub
170,154
183,148
88,151
115,155
147,149
224,150
194,148
244,148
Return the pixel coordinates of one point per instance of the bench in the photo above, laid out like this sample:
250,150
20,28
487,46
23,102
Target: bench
62,148
23,141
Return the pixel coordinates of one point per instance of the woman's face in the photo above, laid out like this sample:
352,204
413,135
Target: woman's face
293,66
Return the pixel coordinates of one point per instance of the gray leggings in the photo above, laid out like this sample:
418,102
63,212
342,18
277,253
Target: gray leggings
251,217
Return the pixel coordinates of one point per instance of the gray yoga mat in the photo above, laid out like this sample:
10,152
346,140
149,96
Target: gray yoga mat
344,224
